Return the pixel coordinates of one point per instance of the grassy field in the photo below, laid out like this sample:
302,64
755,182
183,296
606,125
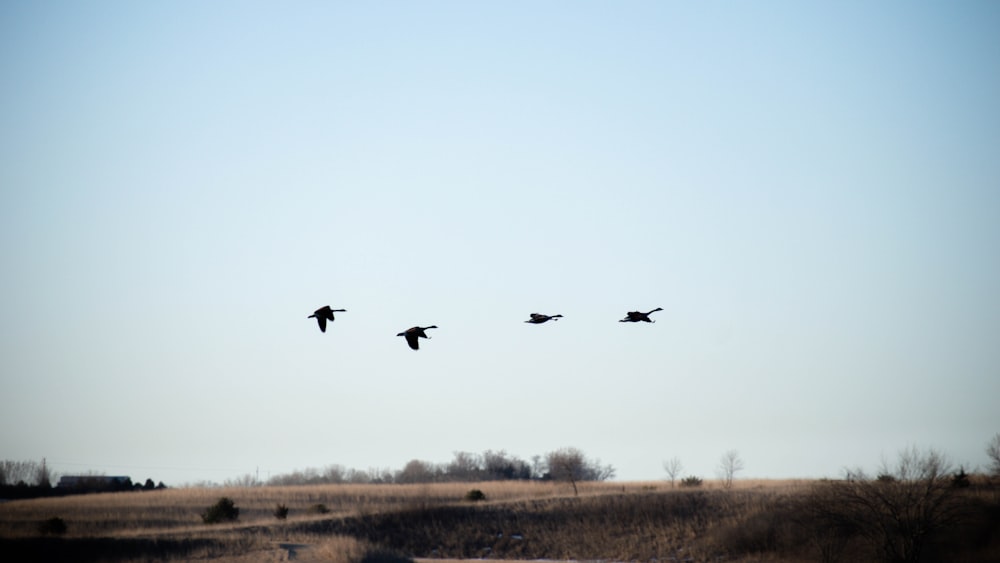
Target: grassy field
753,521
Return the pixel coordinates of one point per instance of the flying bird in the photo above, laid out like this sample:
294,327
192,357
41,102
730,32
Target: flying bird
323,314
413,333
636,316
537,319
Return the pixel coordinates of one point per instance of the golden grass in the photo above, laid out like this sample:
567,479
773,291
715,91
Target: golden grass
169,511
174,510
518,520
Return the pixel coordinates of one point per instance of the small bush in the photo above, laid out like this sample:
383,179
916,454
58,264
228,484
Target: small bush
52,527
281,512
691,481
222,511
885,478
475,495
318,509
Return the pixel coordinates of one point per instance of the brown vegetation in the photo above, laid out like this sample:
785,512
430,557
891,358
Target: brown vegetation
753,521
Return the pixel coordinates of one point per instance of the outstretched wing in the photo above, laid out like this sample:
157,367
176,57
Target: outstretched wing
411,339
322,322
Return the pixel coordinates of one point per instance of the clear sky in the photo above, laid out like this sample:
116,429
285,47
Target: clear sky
810,191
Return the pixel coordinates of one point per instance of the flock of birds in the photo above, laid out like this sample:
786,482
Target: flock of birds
413,334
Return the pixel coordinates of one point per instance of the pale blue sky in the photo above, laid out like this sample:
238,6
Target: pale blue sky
810,190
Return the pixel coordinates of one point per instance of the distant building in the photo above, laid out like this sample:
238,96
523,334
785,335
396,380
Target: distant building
95,482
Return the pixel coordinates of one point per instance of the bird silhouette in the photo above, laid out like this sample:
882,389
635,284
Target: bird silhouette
323,314
636,316
537,319
413,333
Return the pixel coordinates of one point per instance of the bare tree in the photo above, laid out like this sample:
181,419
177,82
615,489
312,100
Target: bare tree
44,478
537,466
28,472
730,463
357,476
673,467
566,464
993,451
334,473
247,480
14,472
500,465
569,464
417,471
898,512
378,476
465,467
598,472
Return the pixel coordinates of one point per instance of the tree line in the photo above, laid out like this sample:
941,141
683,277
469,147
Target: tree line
567,464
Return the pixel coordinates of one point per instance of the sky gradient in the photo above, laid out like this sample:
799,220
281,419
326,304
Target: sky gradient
810,191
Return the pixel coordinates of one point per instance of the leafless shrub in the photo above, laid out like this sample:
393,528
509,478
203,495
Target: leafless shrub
896,516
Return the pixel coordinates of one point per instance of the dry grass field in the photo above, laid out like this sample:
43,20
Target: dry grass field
754,521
